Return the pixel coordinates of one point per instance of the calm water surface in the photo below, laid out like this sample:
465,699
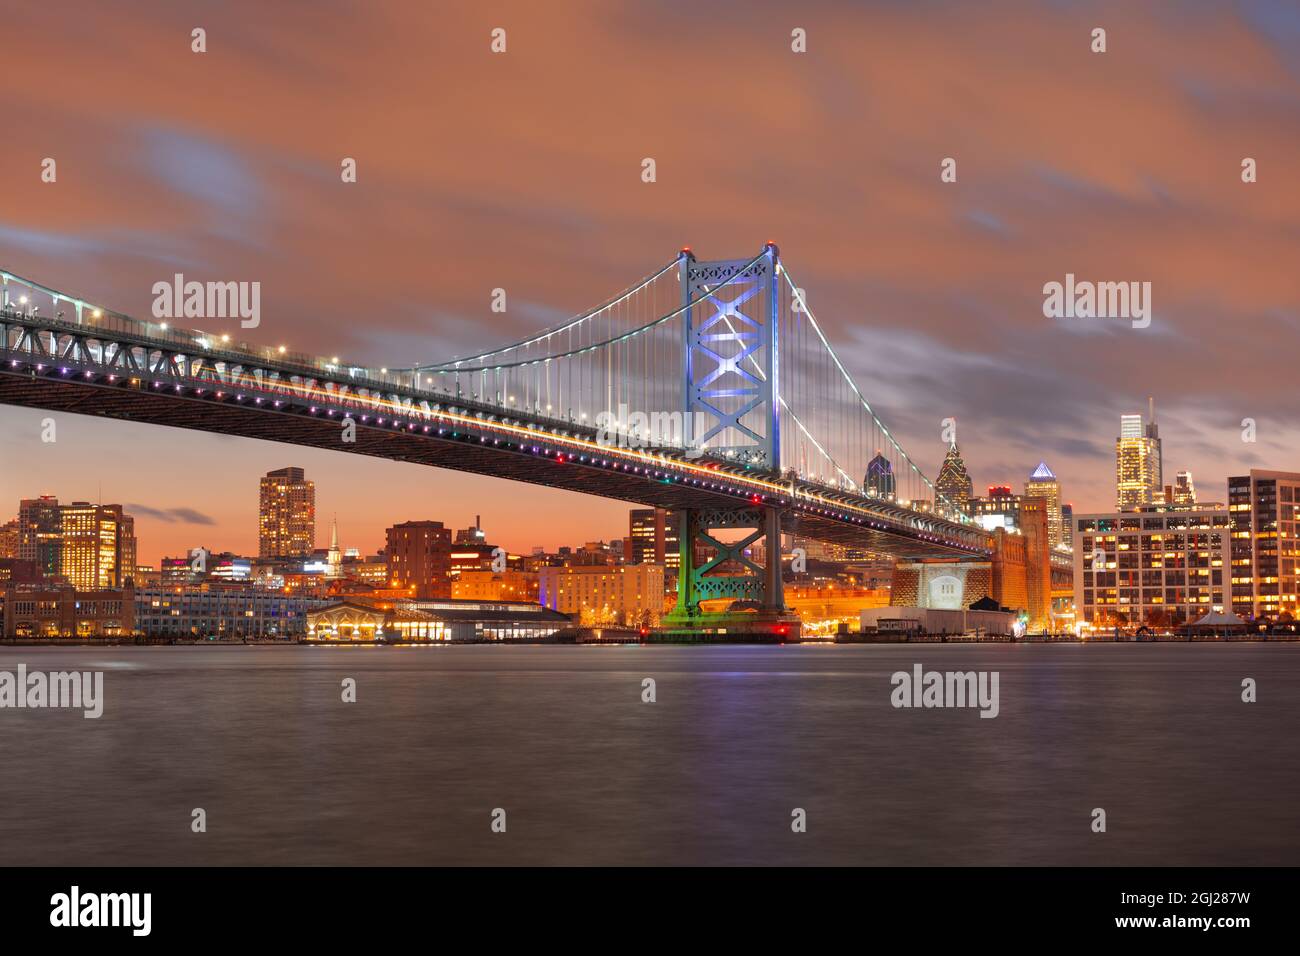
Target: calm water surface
588,774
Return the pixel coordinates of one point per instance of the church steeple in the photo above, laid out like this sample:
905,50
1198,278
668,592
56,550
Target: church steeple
335,557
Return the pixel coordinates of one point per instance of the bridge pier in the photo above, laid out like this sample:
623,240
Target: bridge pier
756,610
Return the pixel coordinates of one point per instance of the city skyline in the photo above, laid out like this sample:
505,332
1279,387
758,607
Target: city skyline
233,184
184,527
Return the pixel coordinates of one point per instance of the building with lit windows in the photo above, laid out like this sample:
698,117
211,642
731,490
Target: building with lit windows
96,545
420,622
953,482
39,610
1161,569
1182,492
1042,483
222,612
600,595
1265,509
653,538
1000,508
507,585
286,514
419,558
1138,470
39,533
9,538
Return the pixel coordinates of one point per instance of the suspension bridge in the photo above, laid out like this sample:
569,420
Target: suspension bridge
708,388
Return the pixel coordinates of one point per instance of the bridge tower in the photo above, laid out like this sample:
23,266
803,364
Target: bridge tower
731,375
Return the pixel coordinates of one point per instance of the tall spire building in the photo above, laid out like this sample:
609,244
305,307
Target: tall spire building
953,482
335,557
1138,473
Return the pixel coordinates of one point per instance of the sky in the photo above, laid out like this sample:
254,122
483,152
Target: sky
522,170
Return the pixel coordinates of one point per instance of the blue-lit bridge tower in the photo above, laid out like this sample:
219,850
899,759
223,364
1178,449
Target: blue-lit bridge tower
731,369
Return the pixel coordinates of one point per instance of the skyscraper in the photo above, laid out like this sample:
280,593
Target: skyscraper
286,519
1137,463
1265,511
1043,484
953,482
880,477
1184,491
653,537
97,546
1153,436
39,524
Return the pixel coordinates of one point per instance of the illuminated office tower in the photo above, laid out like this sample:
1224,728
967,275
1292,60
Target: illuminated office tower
954,481
652,535
39,521
1137,464
880,477
286,517
1043,484
1265,511
97,546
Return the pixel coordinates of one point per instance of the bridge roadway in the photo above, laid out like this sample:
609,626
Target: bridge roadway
123,373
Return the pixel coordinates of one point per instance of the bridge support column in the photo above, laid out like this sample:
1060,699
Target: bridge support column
748,599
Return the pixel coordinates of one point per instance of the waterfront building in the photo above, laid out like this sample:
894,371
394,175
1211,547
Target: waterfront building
214,611
286,516
434,621
96,545
1159,568
601,595
1043,484
419,558
1265,510
1022,575
49,609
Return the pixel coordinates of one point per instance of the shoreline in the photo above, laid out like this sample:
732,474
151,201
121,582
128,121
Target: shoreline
709,640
